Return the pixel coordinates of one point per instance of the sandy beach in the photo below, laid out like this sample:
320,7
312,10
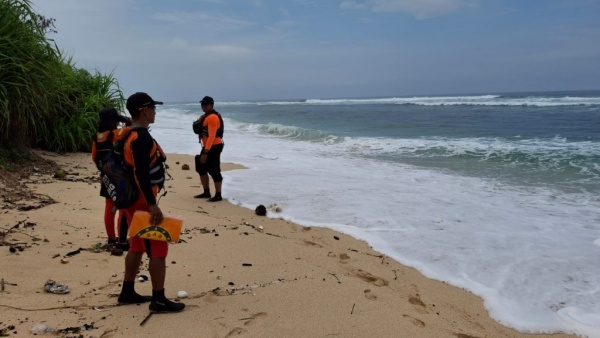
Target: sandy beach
245,275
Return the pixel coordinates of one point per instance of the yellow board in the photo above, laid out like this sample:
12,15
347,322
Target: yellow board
168,230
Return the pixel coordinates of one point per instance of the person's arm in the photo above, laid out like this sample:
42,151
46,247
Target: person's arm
141,147
213,124
94,150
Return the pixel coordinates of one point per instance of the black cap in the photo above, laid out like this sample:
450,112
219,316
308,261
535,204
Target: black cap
207,100
110,115
140,100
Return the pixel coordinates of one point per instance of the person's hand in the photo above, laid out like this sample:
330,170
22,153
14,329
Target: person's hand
203,158
156,215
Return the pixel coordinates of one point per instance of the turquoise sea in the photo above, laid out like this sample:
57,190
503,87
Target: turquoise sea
497,193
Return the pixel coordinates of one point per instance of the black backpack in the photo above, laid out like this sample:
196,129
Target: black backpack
198,128
116,178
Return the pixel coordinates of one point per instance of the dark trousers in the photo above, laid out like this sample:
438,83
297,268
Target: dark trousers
213,163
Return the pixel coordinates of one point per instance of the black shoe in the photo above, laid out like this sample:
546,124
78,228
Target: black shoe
203,195
165,305
110,244
215,199
123,246
133,299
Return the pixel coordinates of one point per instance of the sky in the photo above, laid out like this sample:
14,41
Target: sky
182,50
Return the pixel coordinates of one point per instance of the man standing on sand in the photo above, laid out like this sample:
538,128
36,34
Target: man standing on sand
145,160
211,138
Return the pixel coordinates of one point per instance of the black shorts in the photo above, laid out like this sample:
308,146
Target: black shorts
213,162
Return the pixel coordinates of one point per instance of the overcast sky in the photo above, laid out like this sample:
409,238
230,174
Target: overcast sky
181,50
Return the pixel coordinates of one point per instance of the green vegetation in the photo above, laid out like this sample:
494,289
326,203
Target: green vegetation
9,156
45,101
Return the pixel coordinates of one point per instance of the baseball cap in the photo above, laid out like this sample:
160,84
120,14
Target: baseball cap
140,100
111,115
207,100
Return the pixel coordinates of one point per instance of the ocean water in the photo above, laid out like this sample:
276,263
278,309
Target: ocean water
494,193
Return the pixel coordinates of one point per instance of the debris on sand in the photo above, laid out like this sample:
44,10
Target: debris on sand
58,288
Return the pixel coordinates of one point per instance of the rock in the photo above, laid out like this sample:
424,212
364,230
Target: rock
185,167
60,174
260,210
274,207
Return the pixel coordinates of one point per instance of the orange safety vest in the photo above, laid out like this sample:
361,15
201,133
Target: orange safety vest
102,145
215,122
157,157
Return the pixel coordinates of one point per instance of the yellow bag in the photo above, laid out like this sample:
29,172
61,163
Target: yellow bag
168,230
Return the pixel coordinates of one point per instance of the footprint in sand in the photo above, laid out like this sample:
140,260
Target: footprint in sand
344,258
235,332
367,277
420,307
309,243
415,321
369,295
331,254
211,298
255,318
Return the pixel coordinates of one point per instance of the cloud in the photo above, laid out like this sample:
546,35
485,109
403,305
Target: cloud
214,51
421,9
201,19
228,50
303,48
353,5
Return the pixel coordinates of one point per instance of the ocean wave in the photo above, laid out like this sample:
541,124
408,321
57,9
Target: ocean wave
551,156
431,146
288,132
468,100
535,160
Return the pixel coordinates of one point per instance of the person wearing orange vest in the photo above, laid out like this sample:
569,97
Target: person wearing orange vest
144,159
211,138
101,146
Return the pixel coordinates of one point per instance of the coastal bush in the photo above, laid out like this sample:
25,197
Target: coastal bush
12,155
24,56
78,97
45,101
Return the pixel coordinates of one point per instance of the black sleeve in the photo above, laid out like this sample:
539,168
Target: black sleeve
141,148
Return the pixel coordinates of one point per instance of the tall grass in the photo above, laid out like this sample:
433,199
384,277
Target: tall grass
24,56
45,101
77,98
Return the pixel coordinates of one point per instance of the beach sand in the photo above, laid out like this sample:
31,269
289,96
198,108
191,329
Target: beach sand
246,275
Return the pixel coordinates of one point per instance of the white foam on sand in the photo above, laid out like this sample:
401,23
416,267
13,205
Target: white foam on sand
583,322
526,251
